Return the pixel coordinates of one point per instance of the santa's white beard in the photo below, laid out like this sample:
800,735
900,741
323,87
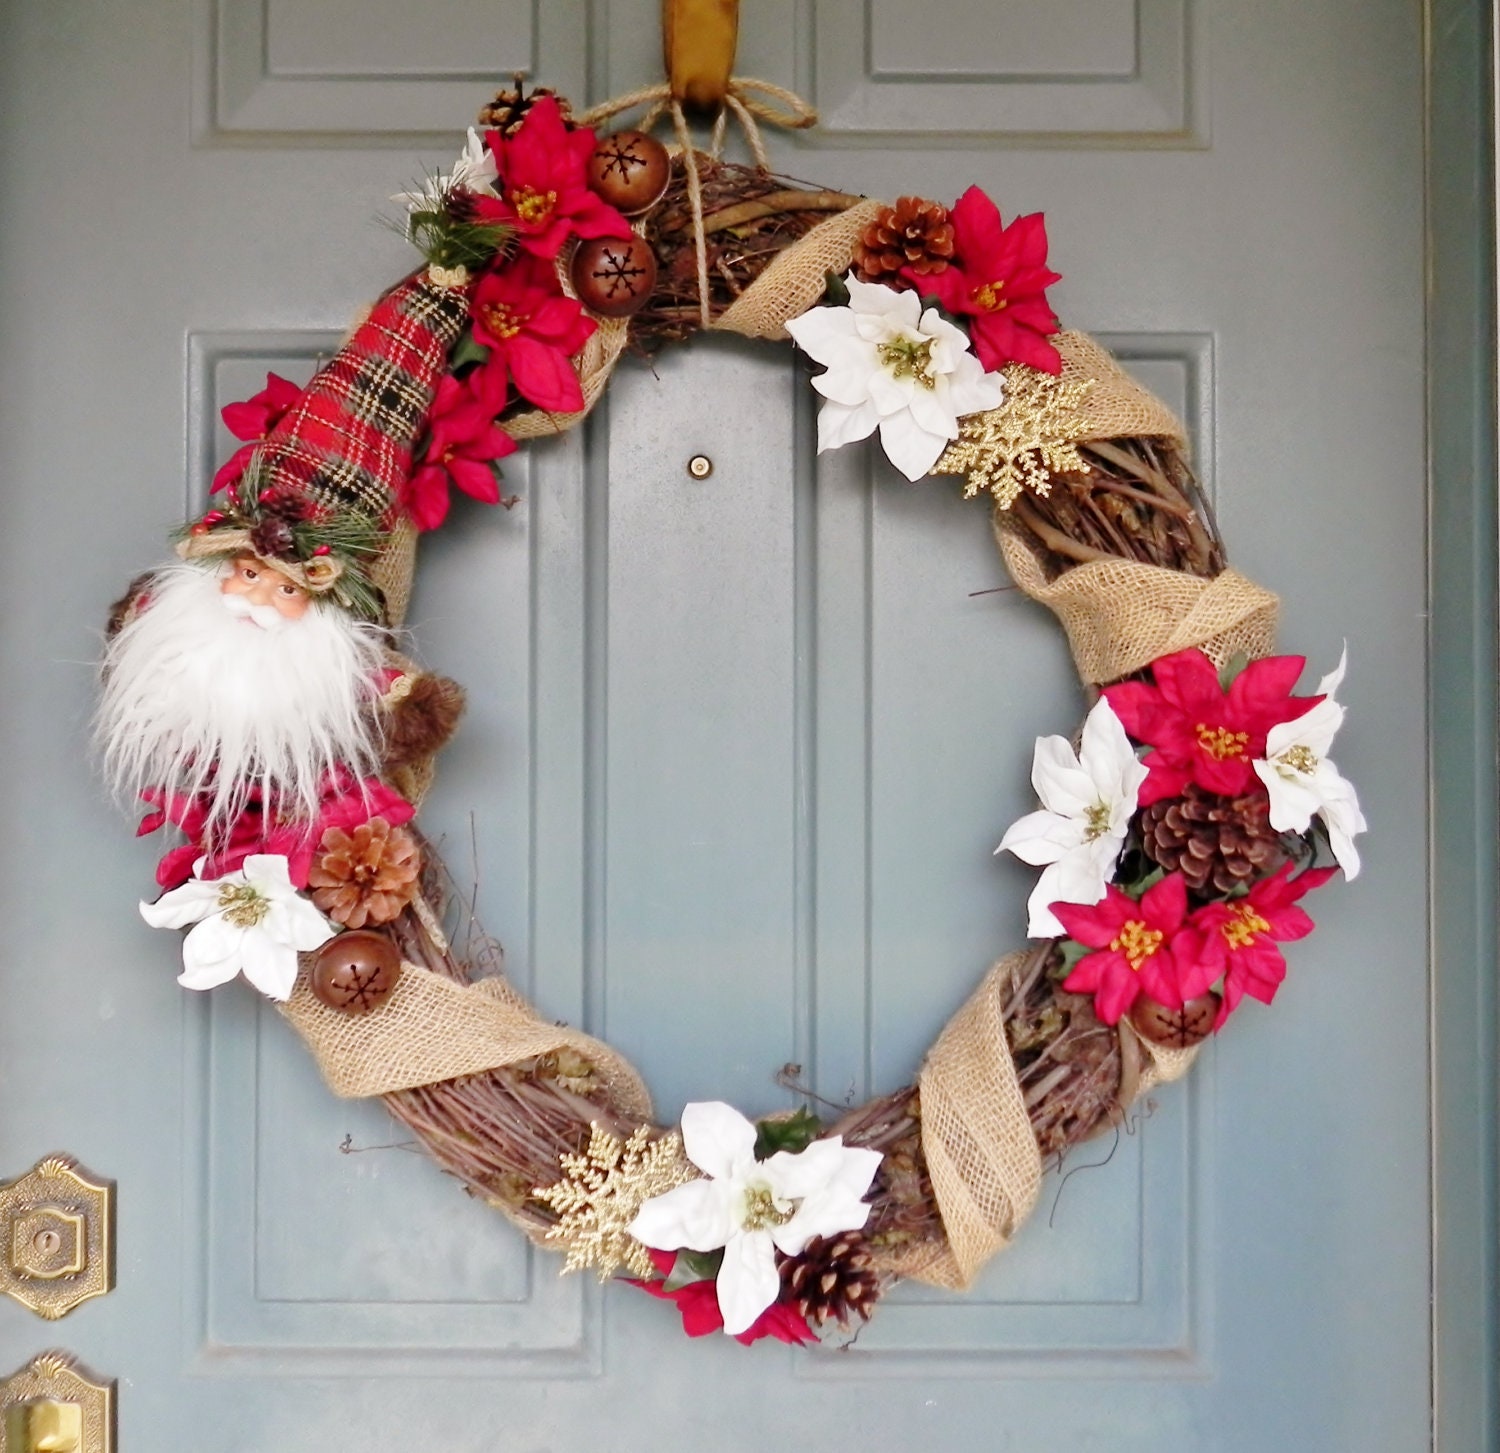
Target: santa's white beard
205,703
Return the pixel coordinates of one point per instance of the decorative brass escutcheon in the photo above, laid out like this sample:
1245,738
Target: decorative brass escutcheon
56,1238
54,1405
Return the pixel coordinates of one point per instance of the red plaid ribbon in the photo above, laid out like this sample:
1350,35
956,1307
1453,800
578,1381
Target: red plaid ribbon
346,444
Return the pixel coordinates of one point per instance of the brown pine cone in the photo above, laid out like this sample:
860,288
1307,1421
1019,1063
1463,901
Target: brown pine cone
913,233
508,110
1216,843
833,1280
365,876
271,538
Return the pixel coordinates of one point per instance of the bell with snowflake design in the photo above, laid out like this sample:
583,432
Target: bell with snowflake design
614,276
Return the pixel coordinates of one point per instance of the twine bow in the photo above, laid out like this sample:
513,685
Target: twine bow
747,99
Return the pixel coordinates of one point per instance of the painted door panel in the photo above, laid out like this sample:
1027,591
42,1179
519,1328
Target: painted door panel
738,749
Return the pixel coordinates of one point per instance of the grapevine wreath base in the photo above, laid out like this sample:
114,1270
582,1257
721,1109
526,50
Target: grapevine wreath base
1176,834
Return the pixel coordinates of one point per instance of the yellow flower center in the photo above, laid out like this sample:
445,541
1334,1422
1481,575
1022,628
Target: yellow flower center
501,319
1137,942
242,905
531,205
909,358
989,296
1096,821
762,1211
1220,742
1300,759
1243,924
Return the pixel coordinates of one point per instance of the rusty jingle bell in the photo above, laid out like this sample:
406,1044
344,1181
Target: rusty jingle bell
356,971
1176,1028
630,171
614,276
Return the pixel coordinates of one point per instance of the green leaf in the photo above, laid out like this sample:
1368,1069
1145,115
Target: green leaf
466,350
1232,668
1138,886
795,1133
835,292
692,1266
1072,951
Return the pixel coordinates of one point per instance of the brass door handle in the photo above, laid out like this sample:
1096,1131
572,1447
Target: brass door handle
53,1405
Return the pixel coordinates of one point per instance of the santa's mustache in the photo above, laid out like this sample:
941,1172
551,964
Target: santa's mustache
267,617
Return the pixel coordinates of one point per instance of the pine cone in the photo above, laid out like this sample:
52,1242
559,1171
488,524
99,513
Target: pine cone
833,1280
367,876
271,538
913,233
1217,843
508,110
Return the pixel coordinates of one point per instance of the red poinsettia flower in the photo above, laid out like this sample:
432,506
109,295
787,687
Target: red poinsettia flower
463,439
532,329
543,189
347,803
1239,938
253,419
1139,949
698,1302
998,279
1200,732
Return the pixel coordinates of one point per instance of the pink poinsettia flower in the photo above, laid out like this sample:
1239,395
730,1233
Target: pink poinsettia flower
998,279
698,1302
532,330
1138,949
463,442
347,803
1238,939
253,419
1200,732
544,192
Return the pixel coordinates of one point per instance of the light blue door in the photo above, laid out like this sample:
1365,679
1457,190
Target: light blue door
738,749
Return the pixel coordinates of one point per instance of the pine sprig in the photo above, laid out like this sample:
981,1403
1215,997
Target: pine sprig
448,241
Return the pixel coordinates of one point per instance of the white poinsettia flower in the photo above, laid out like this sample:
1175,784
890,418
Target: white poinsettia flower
893,366
1088,799
1304,784
753,1208
474,171
252,922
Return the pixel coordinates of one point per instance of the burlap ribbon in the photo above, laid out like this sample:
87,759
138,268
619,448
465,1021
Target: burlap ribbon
433,1029
981,1155
1120,615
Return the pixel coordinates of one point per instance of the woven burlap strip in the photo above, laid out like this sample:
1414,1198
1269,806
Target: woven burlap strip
391,571
976,1136
433,1029
1121,615
1115,406
982,1157
796,277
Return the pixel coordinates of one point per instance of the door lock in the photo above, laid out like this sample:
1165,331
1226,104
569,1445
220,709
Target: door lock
56,1238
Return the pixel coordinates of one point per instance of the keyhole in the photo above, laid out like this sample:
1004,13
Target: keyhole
700,466
47,1242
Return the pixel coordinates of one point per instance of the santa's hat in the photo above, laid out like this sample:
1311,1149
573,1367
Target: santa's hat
320,497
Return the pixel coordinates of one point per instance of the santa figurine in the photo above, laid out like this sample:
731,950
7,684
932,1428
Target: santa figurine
252,695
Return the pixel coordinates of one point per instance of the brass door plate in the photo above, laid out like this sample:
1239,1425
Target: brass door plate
56,1237
54,1405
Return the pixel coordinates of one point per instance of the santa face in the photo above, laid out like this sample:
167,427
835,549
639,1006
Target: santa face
232,680
265,597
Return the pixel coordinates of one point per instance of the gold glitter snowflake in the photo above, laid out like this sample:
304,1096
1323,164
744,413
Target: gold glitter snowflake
602,1189
1024,442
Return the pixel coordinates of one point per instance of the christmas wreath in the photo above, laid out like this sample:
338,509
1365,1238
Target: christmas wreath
254,696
